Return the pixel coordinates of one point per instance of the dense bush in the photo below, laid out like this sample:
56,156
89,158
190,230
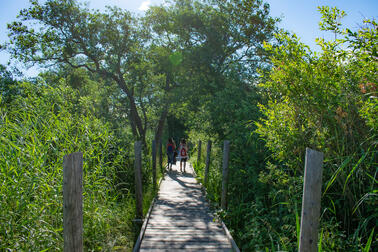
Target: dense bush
326,101
37,128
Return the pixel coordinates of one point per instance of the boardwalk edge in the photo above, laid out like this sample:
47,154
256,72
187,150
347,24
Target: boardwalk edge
143,229
229,236
225,229
144,226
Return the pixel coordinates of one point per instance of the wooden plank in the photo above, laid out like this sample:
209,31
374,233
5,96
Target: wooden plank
184,245
73,202
177,221
196,200
182,208
179,193
183,237
188,231
179,204
182,203
184,229
187,244
312,186
188,250
173,213
182,223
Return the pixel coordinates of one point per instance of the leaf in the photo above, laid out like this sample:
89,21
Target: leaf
363,198
320,241
298,226
368,244
354,168
334,176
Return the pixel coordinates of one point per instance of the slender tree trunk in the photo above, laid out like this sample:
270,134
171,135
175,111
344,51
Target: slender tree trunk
136,122
132,124
164,114
160,126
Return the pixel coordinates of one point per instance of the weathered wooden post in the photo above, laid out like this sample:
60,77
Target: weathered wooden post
73,202
312,186
208,152
226,151
154,163
161,157
138,179
199,152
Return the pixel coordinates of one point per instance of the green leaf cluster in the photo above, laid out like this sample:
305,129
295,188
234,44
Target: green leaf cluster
326,101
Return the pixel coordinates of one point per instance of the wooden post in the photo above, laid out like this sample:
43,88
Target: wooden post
73,202
154,164
138,178
199,152
161,157
226,151
312,186
208,152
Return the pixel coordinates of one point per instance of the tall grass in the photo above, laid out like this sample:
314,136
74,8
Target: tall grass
214,185
37,129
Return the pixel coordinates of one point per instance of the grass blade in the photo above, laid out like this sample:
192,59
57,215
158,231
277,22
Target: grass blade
354,168
334,176
368,244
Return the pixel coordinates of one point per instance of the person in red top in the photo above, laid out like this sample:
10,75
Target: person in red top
171,148
183,151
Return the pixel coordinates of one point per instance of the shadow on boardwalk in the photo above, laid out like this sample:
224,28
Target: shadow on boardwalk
181,219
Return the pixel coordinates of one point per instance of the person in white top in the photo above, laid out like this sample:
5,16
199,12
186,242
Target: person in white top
183,151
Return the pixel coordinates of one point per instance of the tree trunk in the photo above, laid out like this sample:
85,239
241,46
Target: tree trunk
136,119
136,122
160,126
164,114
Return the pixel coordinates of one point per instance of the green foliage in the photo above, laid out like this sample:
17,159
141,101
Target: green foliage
325,101
37,130
112,45
193,64
7,85
331,19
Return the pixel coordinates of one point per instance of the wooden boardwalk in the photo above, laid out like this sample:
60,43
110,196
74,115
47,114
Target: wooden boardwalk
181,219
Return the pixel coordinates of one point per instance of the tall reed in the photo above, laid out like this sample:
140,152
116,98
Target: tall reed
37,128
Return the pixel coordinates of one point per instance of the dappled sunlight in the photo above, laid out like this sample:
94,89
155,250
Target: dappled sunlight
181,218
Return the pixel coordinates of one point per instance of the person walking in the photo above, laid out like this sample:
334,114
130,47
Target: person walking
183,150
171,148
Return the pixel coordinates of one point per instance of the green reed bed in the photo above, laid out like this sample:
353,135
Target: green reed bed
37,128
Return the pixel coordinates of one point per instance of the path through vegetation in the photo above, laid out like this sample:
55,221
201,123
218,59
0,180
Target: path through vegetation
181,218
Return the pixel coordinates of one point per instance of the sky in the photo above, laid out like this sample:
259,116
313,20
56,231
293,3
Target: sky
298,16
